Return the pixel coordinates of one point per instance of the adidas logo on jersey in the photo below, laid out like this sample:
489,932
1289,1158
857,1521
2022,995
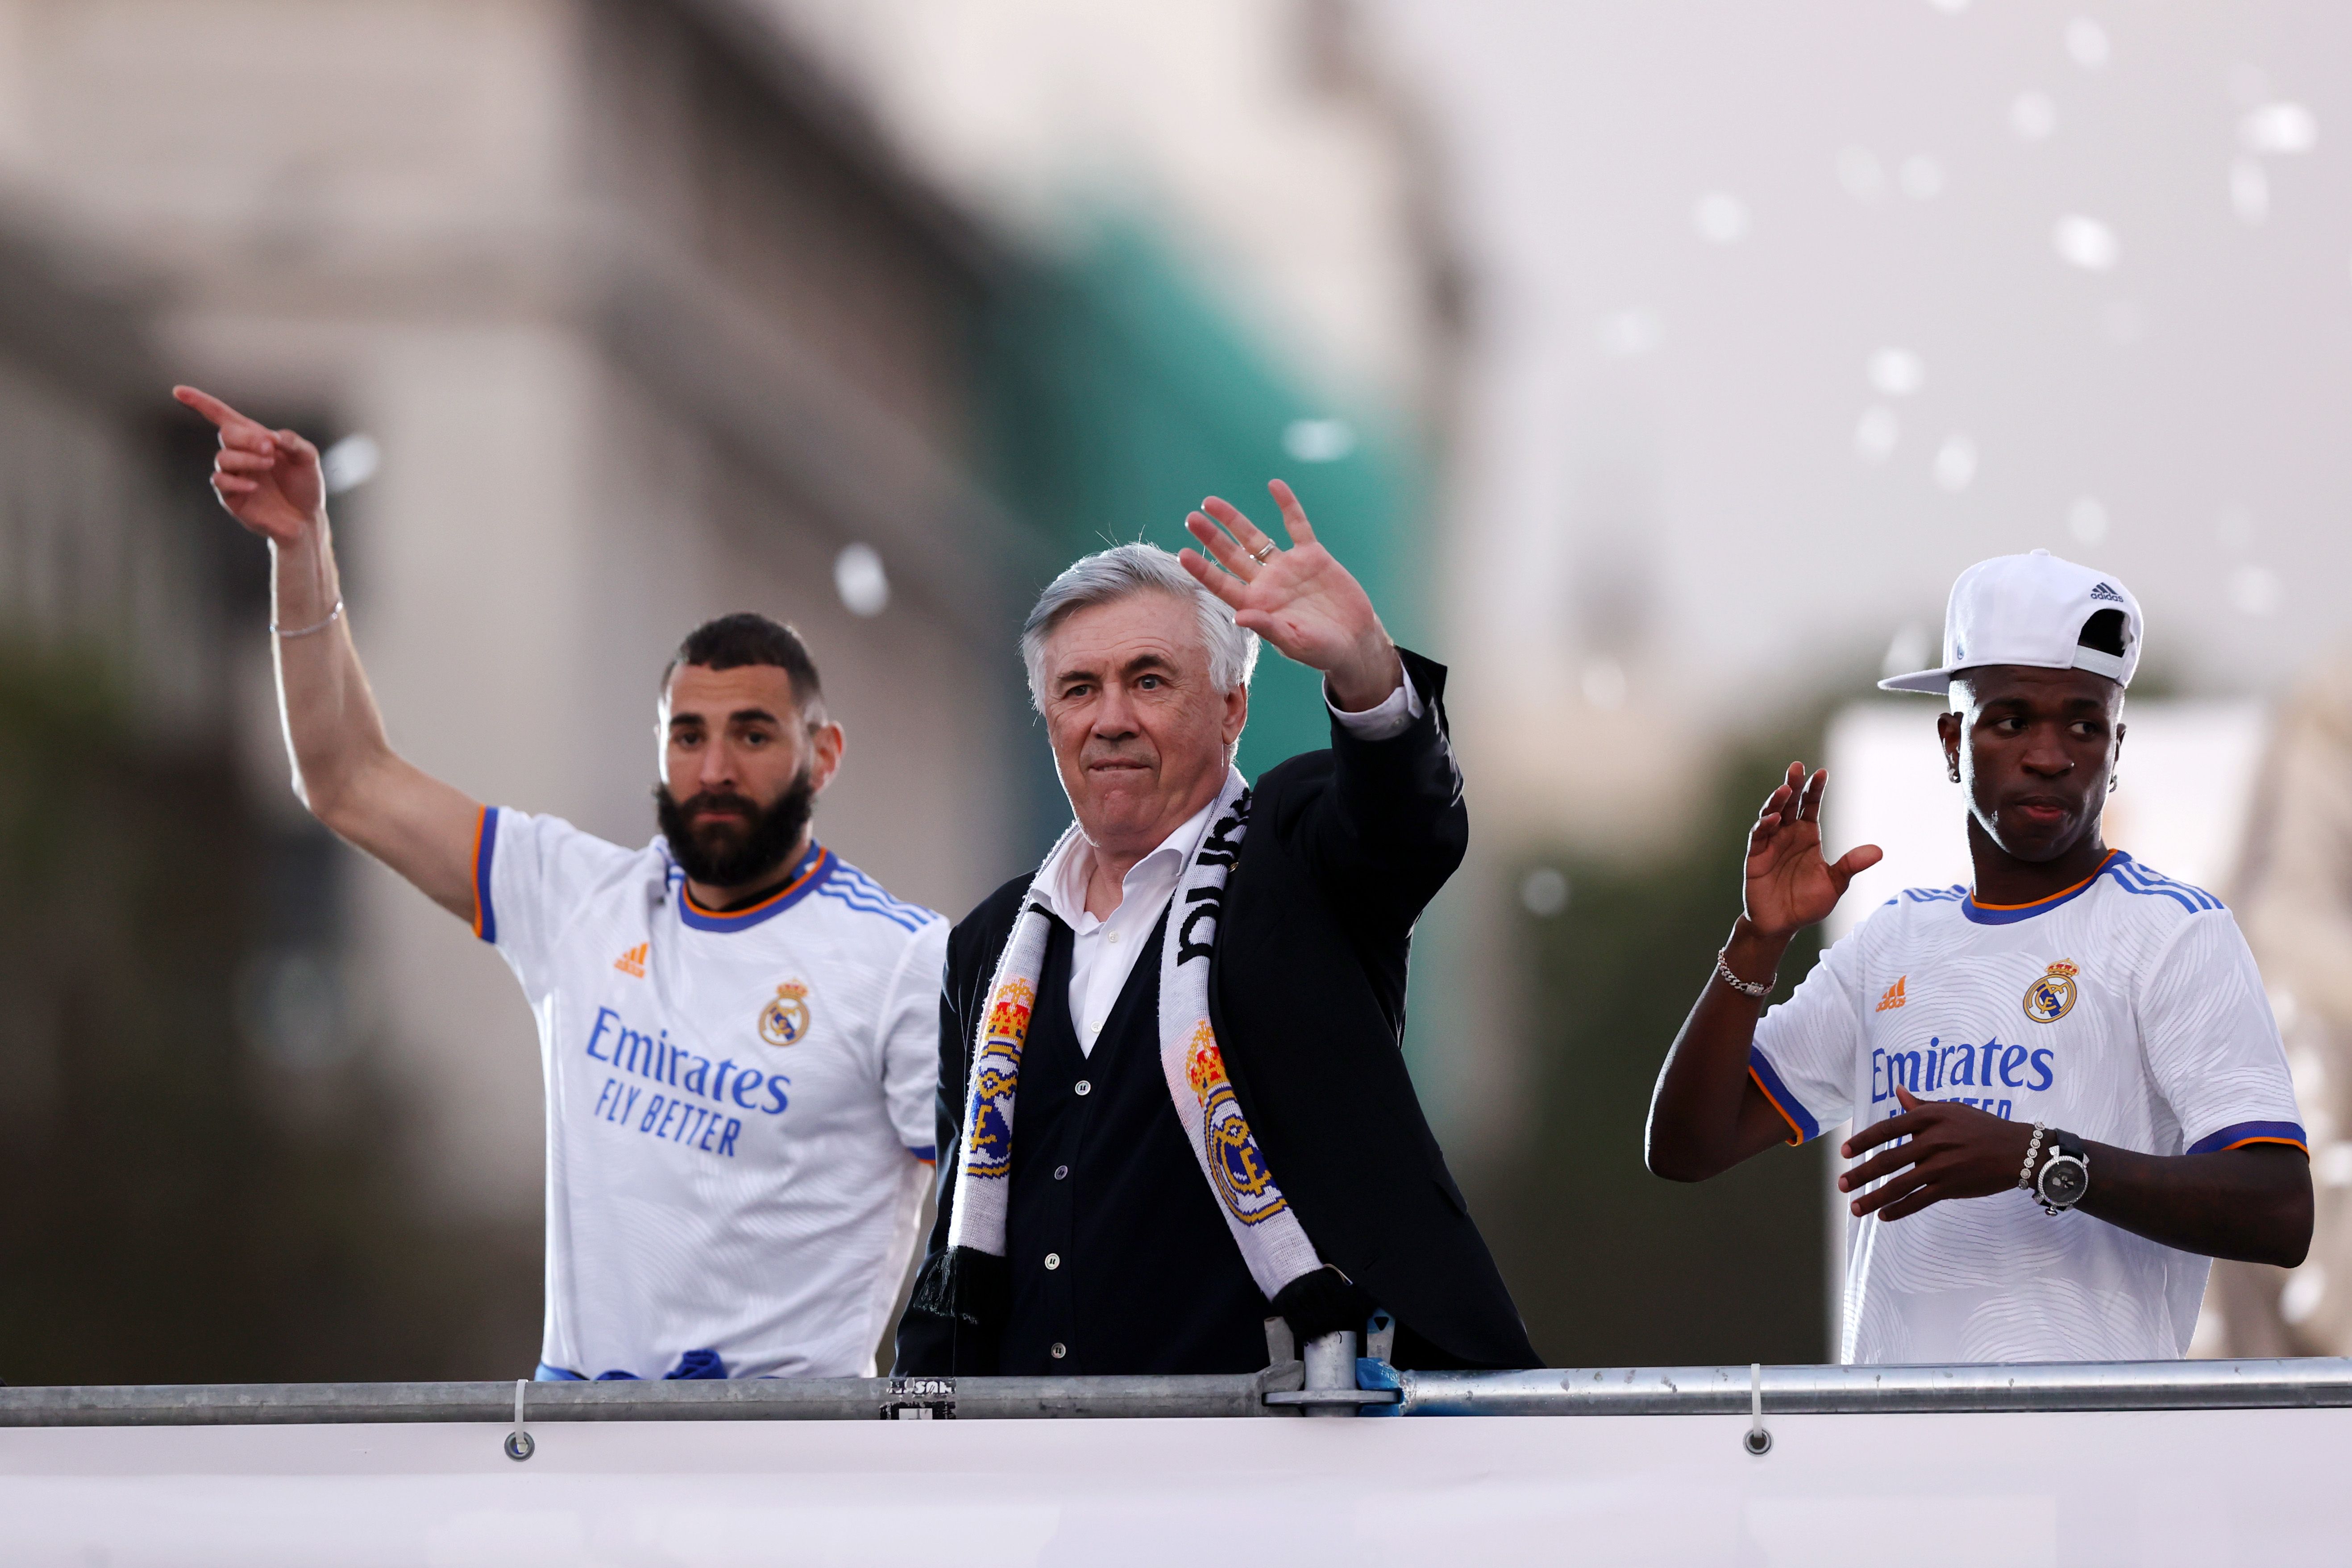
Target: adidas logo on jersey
633,960
1893,997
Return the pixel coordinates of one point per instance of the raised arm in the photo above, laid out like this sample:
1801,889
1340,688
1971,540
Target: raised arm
1392,827
345,770
1707,1114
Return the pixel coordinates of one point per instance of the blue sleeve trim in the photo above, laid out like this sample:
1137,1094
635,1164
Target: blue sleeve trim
486,840
2245,1132
929,1153
547,1373
1791,1108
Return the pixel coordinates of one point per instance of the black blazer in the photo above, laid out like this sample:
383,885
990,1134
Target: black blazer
1307,992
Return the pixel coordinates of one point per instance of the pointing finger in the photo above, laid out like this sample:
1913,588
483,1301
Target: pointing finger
235,429
206,403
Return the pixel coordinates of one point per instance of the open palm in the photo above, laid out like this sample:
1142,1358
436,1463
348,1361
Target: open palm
1301,599
268,479
1789,884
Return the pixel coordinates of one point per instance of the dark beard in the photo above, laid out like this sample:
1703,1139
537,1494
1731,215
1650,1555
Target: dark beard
722,855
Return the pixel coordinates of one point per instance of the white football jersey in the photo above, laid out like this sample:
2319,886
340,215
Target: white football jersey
2126,1010
739,1106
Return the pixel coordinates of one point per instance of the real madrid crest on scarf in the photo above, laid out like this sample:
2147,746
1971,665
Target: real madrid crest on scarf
996,1072
1271,1240
1235,1167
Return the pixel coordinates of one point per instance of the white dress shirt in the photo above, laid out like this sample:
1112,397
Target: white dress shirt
1102,954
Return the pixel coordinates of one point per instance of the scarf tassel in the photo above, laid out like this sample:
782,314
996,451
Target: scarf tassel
966,1287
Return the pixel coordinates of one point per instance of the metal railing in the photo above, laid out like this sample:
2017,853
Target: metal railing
2299,1383
1379,1389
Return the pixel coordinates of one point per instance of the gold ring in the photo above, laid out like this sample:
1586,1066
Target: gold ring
1262,551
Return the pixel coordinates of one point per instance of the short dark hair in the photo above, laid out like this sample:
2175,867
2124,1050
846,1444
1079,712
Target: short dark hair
748,637
2103,632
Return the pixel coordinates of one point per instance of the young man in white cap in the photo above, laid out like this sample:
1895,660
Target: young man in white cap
2070,1090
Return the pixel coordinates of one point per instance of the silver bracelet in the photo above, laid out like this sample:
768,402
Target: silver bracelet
1749,989
2032,1152
333,616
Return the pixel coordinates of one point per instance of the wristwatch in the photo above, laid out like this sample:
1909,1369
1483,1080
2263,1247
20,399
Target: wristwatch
2066,1174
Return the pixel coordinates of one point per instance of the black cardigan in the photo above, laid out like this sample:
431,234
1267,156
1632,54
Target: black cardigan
1307,992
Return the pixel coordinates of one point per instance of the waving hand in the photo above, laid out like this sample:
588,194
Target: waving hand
1301,599
1789,884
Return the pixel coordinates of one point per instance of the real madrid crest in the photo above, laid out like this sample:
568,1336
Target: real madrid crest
784,1021
1235,1163
2052,997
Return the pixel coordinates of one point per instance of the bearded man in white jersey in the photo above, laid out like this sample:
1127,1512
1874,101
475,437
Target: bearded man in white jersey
736,1027
2072,1092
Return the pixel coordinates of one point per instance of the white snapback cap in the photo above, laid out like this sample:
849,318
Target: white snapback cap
2029,610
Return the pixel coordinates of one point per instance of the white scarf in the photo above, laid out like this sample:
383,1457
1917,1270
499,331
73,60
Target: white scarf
1272,1241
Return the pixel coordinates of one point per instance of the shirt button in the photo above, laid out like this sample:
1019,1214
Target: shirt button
1060,1349
1053,1261
1114,936
1084,1088
1061,1172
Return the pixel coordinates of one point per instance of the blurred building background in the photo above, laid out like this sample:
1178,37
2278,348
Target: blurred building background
613,314
1656,367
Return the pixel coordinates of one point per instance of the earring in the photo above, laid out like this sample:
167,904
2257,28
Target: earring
1955,772
2113,780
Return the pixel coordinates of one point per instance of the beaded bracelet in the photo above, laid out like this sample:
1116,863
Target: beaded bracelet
2032,1150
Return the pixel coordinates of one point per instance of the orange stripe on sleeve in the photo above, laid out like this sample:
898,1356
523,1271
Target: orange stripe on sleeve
481,817
1796,1133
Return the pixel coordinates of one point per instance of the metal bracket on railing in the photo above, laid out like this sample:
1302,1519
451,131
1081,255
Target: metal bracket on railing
1331,1387
518,1444
1334,1374
1374,1374
1758,1441
1284,1371
920,1399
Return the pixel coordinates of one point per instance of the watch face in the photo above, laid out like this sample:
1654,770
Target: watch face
2065,1181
